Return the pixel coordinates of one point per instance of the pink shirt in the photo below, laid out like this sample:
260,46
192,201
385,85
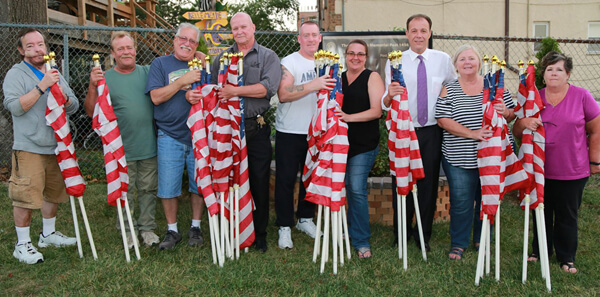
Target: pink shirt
567,156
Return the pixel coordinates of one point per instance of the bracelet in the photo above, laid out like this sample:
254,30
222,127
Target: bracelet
39,90
594,163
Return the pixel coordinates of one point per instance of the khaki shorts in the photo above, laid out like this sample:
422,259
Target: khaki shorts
35,178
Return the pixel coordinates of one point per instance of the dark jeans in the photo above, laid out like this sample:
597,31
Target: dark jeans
465,191
430,145
290,154
259,161
562,199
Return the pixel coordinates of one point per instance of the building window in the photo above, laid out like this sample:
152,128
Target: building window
540,30
594,33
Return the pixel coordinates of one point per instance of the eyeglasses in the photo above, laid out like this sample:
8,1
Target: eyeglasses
359,54
185,40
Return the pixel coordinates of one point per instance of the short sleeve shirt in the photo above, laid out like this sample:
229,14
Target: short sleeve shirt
567,155
170,116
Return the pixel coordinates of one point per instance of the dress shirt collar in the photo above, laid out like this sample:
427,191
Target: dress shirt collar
413,56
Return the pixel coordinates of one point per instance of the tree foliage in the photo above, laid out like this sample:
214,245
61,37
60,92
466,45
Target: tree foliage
548,44
267,15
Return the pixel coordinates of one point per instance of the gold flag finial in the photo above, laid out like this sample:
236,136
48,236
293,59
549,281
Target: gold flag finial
531,62
502,64
486,58
520,63
46,58
95,58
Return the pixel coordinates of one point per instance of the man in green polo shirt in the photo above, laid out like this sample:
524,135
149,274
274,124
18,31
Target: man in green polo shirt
135,116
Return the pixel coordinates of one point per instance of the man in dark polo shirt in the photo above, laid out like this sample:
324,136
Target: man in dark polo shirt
262,73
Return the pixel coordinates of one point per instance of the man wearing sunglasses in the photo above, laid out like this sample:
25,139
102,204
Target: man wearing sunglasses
425,71
168,80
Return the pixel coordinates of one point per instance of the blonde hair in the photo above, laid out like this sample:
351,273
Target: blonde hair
462,49
121,34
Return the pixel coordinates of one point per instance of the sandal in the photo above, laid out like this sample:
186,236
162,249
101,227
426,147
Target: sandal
364,253
568,267
533,257
455,253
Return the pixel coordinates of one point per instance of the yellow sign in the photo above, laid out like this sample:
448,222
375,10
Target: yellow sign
215,50
205,15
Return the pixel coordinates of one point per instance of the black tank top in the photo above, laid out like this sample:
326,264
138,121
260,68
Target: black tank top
362,136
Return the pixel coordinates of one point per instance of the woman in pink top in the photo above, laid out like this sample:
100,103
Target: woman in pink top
572,153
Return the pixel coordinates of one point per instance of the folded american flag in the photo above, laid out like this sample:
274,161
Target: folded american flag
406,165
56,117
499,168
531,152
325,165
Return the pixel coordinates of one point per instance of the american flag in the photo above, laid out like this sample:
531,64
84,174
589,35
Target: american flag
220,150
56,117
325,166
404,154
499,168
531,153
105,125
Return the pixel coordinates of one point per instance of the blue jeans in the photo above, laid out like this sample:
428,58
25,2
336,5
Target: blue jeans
357,172
465,190
173,156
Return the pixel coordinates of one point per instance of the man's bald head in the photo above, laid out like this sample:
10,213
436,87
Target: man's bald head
242,29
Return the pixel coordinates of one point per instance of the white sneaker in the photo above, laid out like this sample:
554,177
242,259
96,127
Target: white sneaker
56,239
285,238
27,253
307,226
150,238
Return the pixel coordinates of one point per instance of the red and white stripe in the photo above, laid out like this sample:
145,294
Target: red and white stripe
56,117
221,154
106,126
325,166
532,150
406,165
499,168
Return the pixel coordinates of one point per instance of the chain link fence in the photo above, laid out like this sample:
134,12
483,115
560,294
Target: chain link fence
75,45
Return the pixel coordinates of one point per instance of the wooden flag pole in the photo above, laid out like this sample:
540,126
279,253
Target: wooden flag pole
122,225
340,230
131,228
345,234
525,238
480,257
232,222
318,234
497,261
76,225
419,225
399,219
87,227
212,239
237,221
488,242
334,239
404,235
324,252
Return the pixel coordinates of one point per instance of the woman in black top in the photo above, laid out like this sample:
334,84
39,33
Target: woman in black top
361,109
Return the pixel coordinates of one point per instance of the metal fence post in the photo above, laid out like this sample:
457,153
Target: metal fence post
66,56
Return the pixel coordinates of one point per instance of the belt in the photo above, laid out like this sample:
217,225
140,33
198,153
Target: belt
422,128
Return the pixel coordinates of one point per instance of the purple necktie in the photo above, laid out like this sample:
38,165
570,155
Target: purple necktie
421,92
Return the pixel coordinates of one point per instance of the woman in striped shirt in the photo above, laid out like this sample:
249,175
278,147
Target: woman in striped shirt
459,111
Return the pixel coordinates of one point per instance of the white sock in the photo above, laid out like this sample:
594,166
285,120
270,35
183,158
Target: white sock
173,227
48,226
196,223
23,235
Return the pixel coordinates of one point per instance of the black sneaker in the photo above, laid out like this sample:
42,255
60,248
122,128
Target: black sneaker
260,245
195,235
171,239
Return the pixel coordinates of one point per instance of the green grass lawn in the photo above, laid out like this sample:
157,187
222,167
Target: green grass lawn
189,271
